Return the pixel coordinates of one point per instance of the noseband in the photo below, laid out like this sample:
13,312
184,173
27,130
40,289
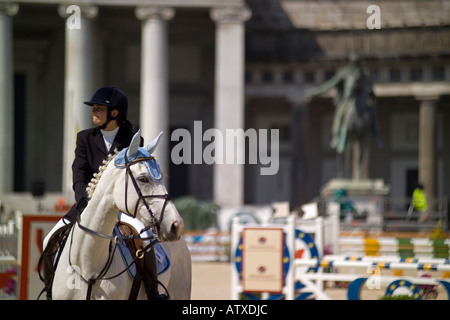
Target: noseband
155,223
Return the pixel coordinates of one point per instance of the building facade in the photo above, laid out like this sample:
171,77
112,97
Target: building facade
229,64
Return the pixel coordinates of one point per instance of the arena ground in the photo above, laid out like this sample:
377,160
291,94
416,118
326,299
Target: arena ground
211,281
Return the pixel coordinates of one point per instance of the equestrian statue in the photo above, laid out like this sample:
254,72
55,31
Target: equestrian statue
355,116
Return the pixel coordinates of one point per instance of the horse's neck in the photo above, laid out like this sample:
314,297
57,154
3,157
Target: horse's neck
91,251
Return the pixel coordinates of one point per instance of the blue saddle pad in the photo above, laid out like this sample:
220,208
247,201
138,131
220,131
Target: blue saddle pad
163,261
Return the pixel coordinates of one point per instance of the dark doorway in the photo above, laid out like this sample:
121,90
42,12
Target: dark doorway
178,173
412,178
19,132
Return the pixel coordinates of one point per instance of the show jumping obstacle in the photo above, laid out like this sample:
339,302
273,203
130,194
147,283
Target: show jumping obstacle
305,264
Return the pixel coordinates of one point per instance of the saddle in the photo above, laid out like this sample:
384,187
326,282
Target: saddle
146,266
128,250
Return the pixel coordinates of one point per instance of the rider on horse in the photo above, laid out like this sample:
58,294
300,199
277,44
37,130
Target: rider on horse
113,131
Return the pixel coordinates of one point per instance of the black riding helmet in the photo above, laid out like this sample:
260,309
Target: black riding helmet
113,98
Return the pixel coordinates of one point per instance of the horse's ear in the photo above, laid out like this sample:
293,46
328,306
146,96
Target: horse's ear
134,145
153,144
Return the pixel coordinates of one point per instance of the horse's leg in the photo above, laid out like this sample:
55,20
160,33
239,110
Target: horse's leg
338,122
179,285
357,158
375,127
335,129
340,165
67,285
364,155
347,156
342,140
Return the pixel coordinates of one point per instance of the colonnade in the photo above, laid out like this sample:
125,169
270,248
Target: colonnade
80,75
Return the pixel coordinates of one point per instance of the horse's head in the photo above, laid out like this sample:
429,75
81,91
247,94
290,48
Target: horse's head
141,193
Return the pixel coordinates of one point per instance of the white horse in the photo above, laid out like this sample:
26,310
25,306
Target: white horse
86,253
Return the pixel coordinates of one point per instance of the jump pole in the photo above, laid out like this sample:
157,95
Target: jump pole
366,264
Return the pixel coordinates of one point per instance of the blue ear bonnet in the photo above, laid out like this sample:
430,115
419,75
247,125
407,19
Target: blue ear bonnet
152,165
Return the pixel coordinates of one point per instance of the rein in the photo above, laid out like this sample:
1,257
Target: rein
154,227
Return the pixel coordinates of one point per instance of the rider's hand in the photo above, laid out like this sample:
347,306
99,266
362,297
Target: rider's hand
82,205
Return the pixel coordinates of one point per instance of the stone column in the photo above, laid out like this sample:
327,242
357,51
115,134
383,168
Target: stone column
229,97
6,97
299,179
79,82
154,110
427,146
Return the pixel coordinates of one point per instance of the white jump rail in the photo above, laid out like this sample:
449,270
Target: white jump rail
418,247
394,265
388,259
309,280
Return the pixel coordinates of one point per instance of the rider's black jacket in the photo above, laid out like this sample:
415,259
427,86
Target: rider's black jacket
90,152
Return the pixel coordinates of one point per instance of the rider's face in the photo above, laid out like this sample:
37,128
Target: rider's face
99,114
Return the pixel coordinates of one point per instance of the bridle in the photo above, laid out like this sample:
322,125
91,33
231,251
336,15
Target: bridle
156,224
154,227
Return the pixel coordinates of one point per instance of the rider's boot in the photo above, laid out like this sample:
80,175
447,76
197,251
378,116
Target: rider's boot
151,276
60,224
71,216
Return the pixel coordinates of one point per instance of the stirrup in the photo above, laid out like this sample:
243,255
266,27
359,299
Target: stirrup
160,297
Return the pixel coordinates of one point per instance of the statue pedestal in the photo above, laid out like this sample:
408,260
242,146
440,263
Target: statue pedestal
361,187
359,203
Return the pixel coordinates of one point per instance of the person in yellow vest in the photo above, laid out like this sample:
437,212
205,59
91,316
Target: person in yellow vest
419,203
419,199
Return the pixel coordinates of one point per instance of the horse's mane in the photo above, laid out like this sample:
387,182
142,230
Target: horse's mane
96,178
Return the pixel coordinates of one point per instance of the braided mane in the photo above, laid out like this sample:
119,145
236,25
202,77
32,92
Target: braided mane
96,178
